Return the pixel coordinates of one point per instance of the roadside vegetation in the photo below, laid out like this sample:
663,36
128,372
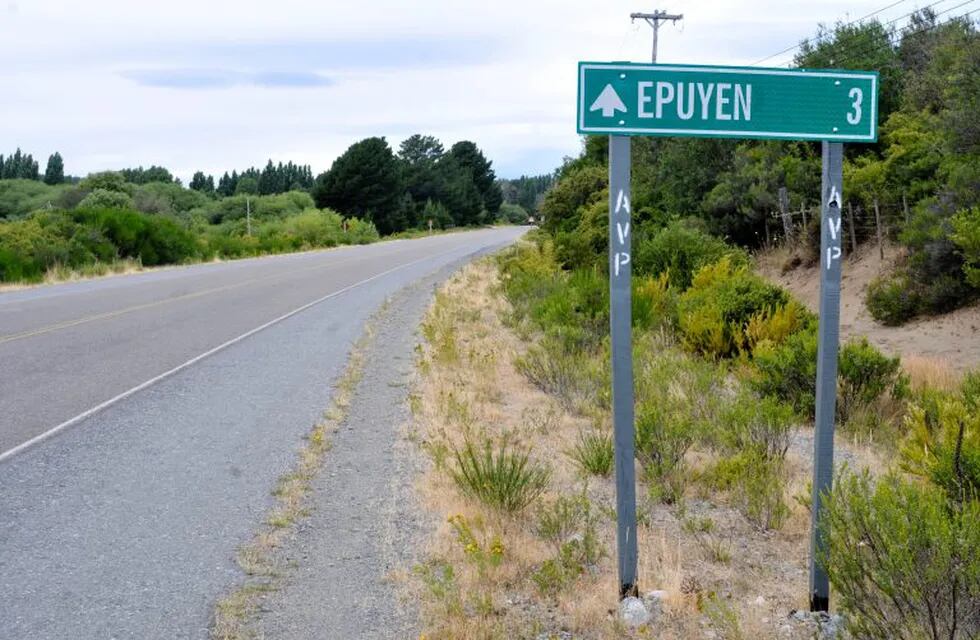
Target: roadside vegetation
513,412
54,226
919,186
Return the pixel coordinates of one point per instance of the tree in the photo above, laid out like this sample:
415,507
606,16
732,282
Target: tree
54,173
365,182
457,192
469,157
247,184
202,183
18,165
420,150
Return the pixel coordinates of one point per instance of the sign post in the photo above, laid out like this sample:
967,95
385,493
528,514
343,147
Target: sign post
622,99
828,338
621,330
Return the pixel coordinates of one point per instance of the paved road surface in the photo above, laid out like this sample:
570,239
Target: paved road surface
123,524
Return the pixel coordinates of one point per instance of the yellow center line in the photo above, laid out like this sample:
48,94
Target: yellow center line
149,305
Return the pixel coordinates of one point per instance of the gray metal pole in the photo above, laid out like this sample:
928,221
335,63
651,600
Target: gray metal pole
620,321
828,341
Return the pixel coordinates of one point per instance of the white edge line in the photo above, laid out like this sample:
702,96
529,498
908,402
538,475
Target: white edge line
166,374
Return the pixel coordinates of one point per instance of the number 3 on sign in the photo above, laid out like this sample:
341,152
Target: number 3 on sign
857,96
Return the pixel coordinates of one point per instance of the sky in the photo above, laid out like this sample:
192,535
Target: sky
216,85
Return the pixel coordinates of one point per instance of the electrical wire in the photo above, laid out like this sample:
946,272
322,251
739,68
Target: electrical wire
807,40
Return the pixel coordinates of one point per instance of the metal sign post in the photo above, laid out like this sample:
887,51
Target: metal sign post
827,346
621,329
624,99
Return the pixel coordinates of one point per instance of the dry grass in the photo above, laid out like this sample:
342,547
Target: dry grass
931,373
730,578
257,557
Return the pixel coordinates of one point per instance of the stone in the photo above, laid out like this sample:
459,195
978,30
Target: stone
633,612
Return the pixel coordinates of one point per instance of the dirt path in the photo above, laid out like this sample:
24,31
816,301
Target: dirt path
953,337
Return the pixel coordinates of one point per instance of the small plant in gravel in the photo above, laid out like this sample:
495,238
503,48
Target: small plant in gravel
705,532
502,477
593,453
570,526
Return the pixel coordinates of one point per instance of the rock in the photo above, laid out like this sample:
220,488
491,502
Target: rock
760,601
799,615
633,612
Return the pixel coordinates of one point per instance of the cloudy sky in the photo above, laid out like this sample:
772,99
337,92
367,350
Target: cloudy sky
222,84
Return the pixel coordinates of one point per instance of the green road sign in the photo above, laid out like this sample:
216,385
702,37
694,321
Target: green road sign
727,102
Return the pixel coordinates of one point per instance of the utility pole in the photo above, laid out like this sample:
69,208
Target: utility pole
248,216
654,19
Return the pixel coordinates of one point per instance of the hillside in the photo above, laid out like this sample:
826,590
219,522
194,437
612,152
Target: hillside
953,337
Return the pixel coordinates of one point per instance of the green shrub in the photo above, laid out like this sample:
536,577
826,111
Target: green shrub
680,250
21,197
865,375
154,240
892,299
106,199
677,403
756,485
945,448
904,563
569,525
593,453
502,477
654,303
760,425
714,312
568,374
788,371
558,521
967,237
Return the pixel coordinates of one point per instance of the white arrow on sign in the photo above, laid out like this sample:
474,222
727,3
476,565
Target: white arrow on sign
609,102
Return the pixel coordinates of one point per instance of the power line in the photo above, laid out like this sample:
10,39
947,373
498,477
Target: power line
851,53
817,37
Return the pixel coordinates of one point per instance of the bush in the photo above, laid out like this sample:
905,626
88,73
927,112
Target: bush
593,453
967,237
865,375
502,478
904,563
564,372
654,303
106,199
892,300
946,448
676,405
154,240
680,250
569,526
762,426
756,485
21,197
788,371
714,312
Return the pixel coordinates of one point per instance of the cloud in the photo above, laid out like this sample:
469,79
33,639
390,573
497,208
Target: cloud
223,78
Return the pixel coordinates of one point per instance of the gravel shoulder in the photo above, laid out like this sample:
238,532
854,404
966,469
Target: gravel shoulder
365,520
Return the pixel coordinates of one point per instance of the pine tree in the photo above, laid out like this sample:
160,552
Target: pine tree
54,173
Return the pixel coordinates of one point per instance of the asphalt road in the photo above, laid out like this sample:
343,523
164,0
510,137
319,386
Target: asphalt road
122,522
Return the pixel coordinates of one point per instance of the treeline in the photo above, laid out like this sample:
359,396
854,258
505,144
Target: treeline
147,215
923,176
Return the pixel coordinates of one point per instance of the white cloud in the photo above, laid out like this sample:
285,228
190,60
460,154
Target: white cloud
221,85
